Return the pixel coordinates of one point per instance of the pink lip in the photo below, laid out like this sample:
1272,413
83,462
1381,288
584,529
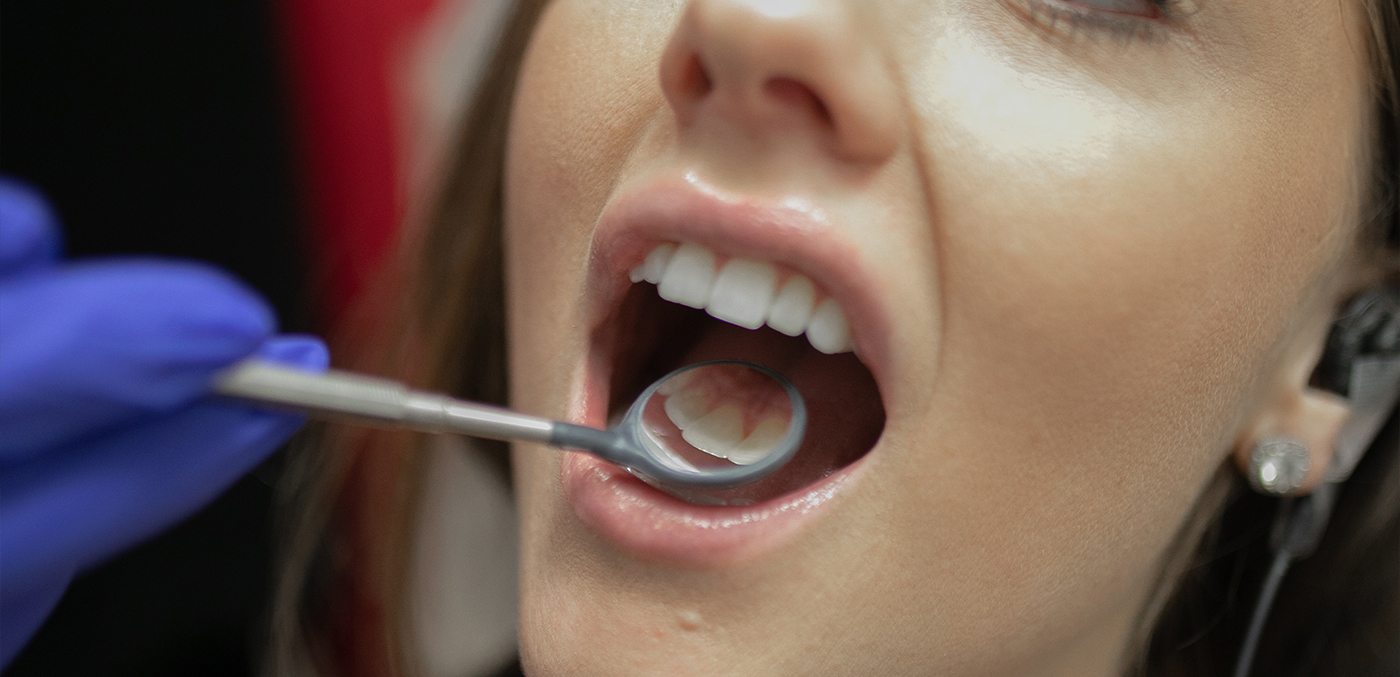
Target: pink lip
621,508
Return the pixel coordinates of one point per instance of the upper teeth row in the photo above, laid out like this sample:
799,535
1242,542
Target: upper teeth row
745,292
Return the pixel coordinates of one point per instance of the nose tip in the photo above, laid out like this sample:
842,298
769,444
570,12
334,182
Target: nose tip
782,64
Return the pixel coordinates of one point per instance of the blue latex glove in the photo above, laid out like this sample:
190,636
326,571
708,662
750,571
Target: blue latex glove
107,435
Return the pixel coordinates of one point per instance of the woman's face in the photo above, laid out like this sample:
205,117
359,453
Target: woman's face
1075,245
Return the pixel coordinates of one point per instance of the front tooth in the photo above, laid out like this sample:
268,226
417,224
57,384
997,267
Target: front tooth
742,292
717,432
655,265
829,332
685,407
689,276
760,443
793,306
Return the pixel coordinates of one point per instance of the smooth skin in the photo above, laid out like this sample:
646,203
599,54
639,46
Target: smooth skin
1115,245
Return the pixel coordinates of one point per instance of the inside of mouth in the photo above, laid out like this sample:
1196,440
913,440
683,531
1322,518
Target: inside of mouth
845,413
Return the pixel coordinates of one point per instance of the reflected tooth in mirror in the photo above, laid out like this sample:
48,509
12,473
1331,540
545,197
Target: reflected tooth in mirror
828,330
685,407
761,442
675,383
792,307
655,264
742,292
689,276
717,432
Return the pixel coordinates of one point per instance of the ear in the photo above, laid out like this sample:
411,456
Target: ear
1294,410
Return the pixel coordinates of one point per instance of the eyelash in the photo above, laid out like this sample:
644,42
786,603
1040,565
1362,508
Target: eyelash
1073,19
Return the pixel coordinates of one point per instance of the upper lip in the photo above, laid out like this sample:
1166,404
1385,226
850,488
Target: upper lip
793,233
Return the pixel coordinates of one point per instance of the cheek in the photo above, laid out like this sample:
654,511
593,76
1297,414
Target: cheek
1126,259
1117,276
586,91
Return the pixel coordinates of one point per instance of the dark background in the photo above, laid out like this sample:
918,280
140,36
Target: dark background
159,127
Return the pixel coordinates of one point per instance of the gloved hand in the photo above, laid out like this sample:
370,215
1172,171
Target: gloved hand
107,435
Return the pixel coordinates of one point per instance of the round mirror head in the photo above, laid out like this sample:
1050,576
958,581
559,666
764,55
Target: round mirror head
715,425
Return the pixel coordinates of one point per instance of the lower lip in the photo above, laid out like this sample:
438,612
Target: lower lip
649,524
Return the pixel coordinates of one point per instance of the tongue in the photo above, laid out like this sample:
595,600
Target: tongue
845,415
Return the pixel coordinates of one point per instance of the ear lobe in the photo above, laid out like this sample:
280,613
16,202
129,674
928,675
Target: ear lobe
1298,424
1356,353
1310,417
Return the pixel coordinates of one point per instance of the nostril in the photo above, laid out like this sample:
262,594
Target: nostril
747,68
694,80
793,93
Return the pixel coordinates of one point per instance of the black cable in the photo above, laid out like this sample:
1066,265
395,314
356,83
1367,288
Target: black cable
1267,592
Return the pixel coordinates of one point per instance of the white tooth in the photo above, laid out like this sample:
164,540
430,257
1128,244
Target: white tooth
685,407
828,331
759,443
662,441
655,264
793,306
674,384
689,276
742,292
717,432
635,275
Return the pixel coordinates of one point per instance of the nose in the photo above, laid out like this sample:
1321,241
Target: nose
768,65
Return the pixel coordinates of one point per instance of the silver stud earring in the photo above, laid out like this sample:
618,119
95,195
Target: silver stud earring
1278,466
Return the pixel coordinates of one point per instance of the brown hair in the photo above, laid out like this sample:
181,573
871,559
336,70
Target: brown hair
441,319
436,321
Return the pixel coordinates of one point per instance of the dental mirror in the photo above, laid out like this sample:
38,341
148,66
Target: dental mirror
709,425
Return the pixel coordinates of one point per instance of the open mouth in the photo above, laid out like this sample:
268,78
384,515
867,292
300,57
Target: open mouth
688,304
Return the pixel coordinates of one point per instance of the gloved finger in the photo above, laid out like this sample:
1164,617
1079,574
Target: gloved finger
25,611
297,350
77,507
88,346
29,235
